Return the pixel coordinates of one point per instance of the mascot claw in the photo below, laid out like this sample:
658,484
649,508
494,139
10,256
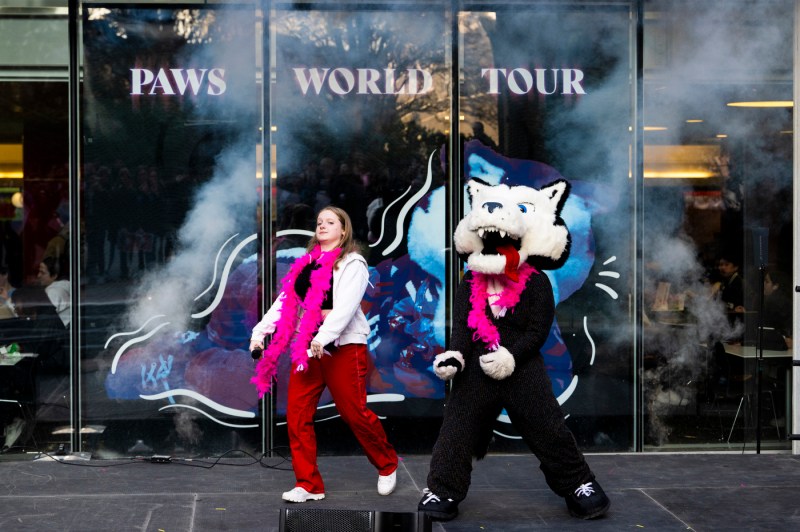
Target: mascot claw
447,364
499,364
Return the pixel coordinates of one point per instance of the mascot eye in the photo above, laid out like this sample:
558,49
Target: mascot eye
523,208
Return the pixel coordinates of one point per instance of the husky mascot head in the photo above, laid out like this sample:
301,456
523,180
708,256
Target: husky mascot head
511,224
507,226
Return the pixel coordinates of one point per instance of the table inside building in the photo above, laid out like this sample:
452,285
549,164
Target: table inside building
776,357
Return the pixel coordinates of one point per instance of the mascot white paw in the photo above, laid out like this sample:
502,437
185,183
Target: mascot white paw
447,364
498,364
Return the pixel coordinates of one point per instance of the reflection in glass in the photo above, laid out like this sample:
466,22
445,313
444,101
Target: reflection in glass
170,117
717,217
538,106
360,111
34,218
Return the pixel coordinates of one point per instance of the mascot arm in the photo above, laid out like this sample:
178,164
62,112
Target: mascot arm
538,305
446,365
498,364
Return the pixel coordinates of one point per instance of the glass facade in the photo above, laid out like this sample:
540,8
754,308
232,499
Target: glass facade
189,146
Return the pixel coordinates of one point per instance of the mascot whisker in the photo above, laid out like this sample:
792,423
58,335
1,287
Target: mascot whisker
504,308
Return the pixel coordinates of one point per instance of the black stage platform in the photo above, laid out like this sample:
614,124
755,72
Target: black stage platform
648,492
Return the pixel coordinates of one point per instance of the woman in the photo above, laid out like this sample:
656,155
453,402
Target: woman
6,289
318,317
778,302
40,329
56,286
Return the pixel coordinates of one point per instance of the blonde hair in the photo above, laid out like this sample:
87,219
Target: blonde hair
347,244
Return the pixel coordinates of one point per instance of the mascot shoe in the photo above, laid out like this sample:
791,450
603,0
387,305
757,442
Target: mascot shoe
587,501
437,508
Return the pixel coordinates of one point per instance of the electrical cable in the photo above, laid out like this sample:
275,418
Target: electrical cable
164,459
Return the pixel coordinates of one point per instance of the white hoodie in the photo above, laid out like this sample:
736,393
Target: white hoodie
345,323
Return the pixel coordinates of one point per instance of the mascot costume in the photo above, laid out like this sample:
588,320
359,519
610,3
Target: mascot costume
504,308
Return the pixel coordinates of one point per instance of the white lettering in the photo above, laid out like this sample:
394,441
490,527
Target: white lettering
571,83
348,78
527,80
494,87
391,84
191,79
140,77
167,81
216,81
344,81
541,83
162,82
313,77
413,82
368,81
521,81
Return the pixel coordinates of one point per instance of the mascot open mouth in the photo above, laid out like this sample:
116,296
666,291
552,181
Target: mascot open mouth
499,242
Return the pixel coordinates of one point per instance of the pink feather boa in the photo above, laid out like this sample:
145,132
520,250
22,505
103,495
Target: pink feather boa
477,319
286,329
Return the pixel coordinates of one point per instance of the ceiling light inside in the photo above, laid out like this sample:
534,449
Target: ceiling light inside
765,103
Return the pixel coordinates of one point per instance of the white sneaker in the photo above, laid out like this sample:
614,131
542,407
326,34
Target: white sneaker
298,494
387,483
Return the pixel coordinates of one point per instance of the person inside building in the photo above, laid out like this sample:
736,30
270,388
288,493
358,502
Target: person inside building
6,289
42,343
778,303
41,329
730,288
56,286
318,313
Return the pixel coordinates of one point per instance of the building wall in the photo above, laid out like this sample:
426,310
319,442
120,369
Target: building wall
208,138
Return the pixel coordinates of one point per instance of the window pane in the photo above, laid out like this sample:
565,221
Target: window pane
554,103
35,308
170,197
360,113
717,214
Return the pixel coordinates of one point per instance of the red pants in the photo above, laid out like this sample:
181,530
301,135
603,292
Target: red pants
344,373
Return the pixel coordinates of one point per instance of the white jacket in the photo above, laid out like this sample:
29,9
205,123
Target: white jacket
345,323
58,293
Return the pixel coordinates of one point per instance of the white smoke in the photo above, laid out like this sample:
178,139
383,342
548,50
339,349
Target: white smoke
699,56
224,206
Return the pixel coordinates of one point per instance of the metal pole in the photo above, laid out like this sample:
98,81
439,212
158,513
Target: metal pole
760,359
74,223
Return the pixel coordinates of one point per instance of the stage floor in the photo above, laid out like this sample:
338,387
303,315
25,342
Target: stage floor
508,493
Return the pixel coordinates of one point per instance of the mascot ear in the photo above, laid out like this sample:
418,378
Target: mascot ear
554,256
557,193
474,186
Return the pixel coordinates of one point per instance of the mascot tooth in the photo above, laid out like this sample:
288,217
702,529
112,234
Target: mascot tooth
503,311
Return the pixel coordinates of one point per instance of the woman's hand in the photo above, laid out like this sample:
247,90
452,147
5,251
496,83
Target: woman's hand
255,344
316,349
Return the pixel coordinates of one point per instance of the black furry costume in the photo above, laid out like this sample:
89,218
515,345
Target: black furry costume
498,364
476,399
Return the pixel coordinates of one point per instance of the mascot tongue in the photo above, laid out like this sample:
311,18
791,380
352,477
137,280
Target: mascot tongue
512,261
